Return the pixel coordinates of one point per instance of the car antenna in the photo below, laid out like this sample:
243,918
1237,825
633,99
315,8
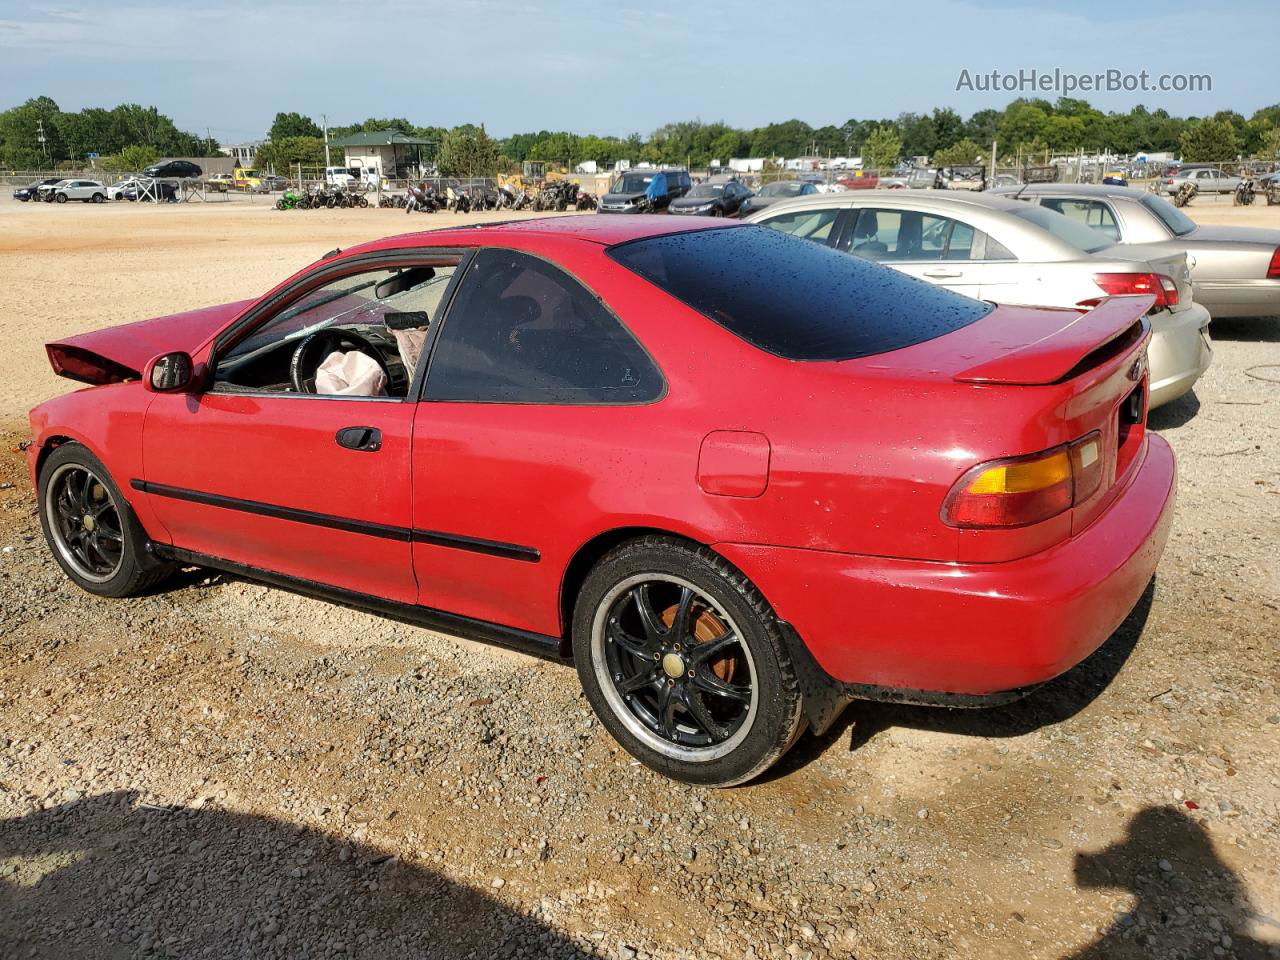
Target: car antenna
332,253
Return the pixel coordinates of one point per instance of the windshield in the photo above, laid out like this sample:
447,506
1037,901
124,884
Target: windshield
1068,231
632,183
707,190
794,298
786,188
1179,223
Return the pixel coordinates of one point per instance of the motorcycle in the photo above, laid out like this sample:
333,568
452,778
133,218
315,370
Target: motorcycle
1245,192
293,201
421,199
459,200
1186,193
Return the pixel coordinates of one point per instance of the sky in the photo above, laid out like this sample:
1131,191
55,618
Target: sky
611,67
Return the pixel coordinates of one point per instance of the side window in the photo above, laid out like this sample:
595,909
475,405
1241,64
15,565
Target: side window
960,245
523,331
1091,213
360,335
808,224
997,250
905,235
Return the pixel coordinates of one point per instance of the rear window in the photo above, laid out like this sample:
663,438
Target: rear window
1076,234
1179,223
794,298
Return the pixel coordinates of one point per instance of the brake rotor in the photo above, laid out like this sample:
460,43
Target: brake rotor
705,629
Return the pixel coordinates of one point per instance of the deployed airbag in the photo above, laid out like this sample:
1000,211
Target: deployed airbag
351,374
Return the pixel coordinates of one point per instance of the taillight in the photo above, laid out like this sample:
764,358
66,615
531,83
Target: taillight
1019,491
1273,269
1119,284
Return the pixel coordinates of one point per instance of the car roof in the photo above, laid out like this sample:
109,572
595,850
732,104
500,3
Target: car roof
938,199
1074,189
601,229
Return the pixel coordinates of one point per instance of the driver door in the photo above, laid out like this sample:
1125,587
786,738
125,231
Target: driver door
314,486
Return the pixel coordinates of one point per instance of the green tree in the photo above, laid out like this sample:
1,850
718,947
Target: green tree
283,154
1270,149
1023,123
947,127
959,154
468,154
288,125
919,136
728,145
131,159
1210,141
882,149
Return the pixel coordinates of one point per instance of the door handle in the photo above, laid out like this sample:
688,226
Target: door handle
368,439
943,274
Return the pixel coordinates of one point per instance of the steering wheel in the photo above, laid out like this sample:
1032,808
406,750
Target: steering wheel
313,349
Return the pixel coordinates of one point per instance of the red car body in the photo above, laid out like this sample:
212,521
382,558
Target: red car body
823,482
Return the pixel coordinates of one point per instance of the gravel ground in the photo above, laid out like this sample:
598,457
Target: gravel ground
226,770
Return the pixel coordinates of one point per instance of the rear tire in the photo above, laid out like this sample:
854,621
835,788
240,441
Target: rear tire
90,527
683,661
98,198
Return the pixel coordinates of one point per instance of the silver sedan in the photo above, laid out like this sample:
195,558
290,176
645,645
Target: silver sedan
996,248
1235,270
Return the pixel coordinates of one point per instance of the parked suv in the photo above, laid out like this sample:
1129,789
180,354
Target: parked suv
90,191
182,169
645,191
718,197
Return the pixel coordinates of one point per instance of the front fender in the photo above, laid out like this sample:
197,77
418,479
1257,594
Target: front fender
107,421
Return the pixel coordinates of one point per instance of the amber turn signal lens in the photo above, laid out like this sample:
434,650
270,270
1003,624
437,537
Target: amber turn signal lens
1020,491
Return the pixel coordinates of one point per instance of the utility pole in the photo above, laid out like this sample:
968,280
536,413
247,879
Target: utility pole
324,120
44,144
993,161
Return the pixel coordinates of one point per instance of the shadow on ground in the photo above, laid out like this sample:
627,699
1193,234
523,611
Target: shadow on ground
1189,903
1251,329
1174,414
1056,701
104,878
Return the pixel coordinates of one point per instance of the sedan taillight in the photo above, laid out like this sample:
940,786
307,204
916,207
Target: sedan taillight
1019,491
1119,284
1273,269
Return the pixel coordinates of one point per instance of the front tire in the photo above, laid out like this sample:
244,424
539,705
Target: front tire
60,198
683,661
91,528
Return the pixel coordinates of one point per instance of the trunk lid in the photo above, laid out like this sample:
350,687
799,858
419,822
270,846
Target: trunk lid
1062,344
1168,259
119,353
1218,233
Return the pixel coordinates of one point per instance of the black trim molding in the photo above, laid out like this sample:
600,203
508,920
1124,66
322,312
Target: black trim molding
493,548
526,641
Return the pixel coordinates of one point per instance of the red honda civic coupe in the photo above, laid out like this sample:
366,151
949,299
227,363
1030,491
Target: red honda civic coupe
739,478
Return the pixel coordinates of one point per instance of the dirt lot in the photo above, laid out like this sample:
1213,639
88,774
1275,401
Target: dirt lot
227,770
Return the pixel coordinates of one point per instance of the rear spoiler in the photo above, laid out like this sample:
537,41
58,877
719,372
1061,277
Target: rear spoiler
1110,328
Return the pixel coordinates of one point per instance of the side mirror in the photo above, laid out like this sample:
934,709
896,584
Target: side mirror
169,372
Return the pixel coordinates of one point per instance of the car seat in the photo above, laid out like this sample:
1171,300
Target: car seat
864,234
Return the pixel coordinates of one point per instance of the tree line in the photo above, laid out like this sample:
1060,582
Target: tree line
129,133
1026,128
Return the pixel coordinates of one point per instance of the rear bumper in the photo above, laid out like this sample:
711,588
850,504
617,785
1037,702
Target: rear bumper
1180,351
1239,298
947,632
